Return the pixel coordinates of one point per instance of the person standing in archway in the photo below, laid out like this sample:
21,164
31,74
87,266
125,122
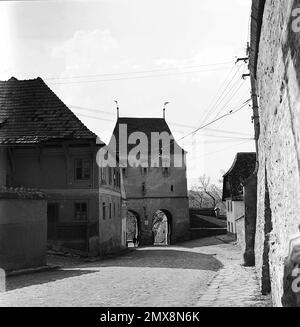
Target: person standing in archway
134,240
138,240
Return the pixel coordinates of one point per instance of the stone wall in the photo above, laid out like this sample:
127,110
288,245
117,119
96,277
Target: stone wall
23,232
240,231
250,196
111,227
278,82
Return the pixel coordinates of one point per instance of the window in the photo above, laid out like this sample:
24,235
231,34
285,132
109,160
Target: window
102,176
118,178
115,177
82,169
110,211
81,211
143,188
165,171
229,206
103,211
53,212
172,188
110,173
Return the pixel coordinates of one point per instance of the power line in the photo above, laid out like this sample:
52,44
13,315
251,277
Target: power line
224,149
217,94
170,123
213,136
235,92
212,108
92,110
98,118
226,132
229,141
212,122
136,77
138,72
224,121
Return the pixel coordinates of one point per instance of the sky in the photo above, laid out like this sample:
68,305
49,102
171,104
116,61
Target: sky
141,53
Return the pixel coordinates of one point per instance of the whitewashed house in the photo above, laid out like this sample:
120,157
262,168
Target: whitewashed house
233,195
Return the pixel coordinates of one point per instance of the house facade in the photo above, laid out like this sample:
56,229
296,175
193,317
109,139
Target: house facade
47,147
233,189
153,188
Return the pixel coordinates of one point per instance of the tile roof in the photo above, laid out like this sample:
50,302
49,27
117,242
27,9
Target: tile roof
242,168
30,112
145,125
21,193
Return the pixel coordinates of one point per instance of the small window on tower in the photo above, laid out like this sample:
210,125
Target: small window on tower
103,210
143,188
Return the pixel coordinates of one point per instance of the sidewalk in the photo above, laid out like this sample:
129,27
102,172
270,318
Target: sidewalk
234,286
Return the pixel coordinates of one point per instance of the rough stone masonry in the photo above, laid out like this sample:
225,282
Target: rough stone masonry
278,87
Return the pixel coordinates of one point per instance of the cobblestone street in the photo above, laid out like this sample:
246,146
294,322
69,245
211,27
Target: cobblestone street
197,273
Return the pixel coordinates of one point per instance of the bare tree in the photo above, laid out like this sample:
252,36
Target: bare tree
205,194
197,197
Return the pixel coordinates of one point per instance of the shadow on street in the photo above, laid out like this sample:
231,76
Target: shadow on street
16,282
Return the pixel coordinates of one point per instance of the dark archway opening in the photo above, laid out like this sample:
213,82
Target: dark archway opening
162,227
132,229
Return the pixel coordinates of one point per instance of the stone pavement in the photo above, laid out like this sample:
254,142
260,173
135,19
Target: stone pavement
204,272
234,286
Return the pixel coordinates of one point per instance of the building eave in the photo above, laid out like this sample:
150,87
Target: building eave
257,12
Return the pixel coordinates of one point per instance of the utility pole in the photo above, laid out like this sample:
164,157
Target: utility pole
254,97
255,117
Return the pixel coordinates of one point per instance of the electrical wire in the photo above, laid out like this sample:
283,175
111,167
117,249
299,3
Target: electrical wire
138,72
213,105
219,118
135,77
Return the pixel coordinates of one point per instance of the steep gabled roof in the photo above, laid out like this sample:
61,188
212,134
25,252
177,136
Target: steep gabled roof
145,125
31,113
242,168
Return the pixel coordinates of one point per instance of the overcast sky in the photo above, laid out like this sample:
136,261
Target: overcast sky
141,53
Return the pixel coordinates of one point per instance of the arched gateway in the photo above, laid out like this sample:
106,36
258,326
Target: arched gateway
162,227
132,228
